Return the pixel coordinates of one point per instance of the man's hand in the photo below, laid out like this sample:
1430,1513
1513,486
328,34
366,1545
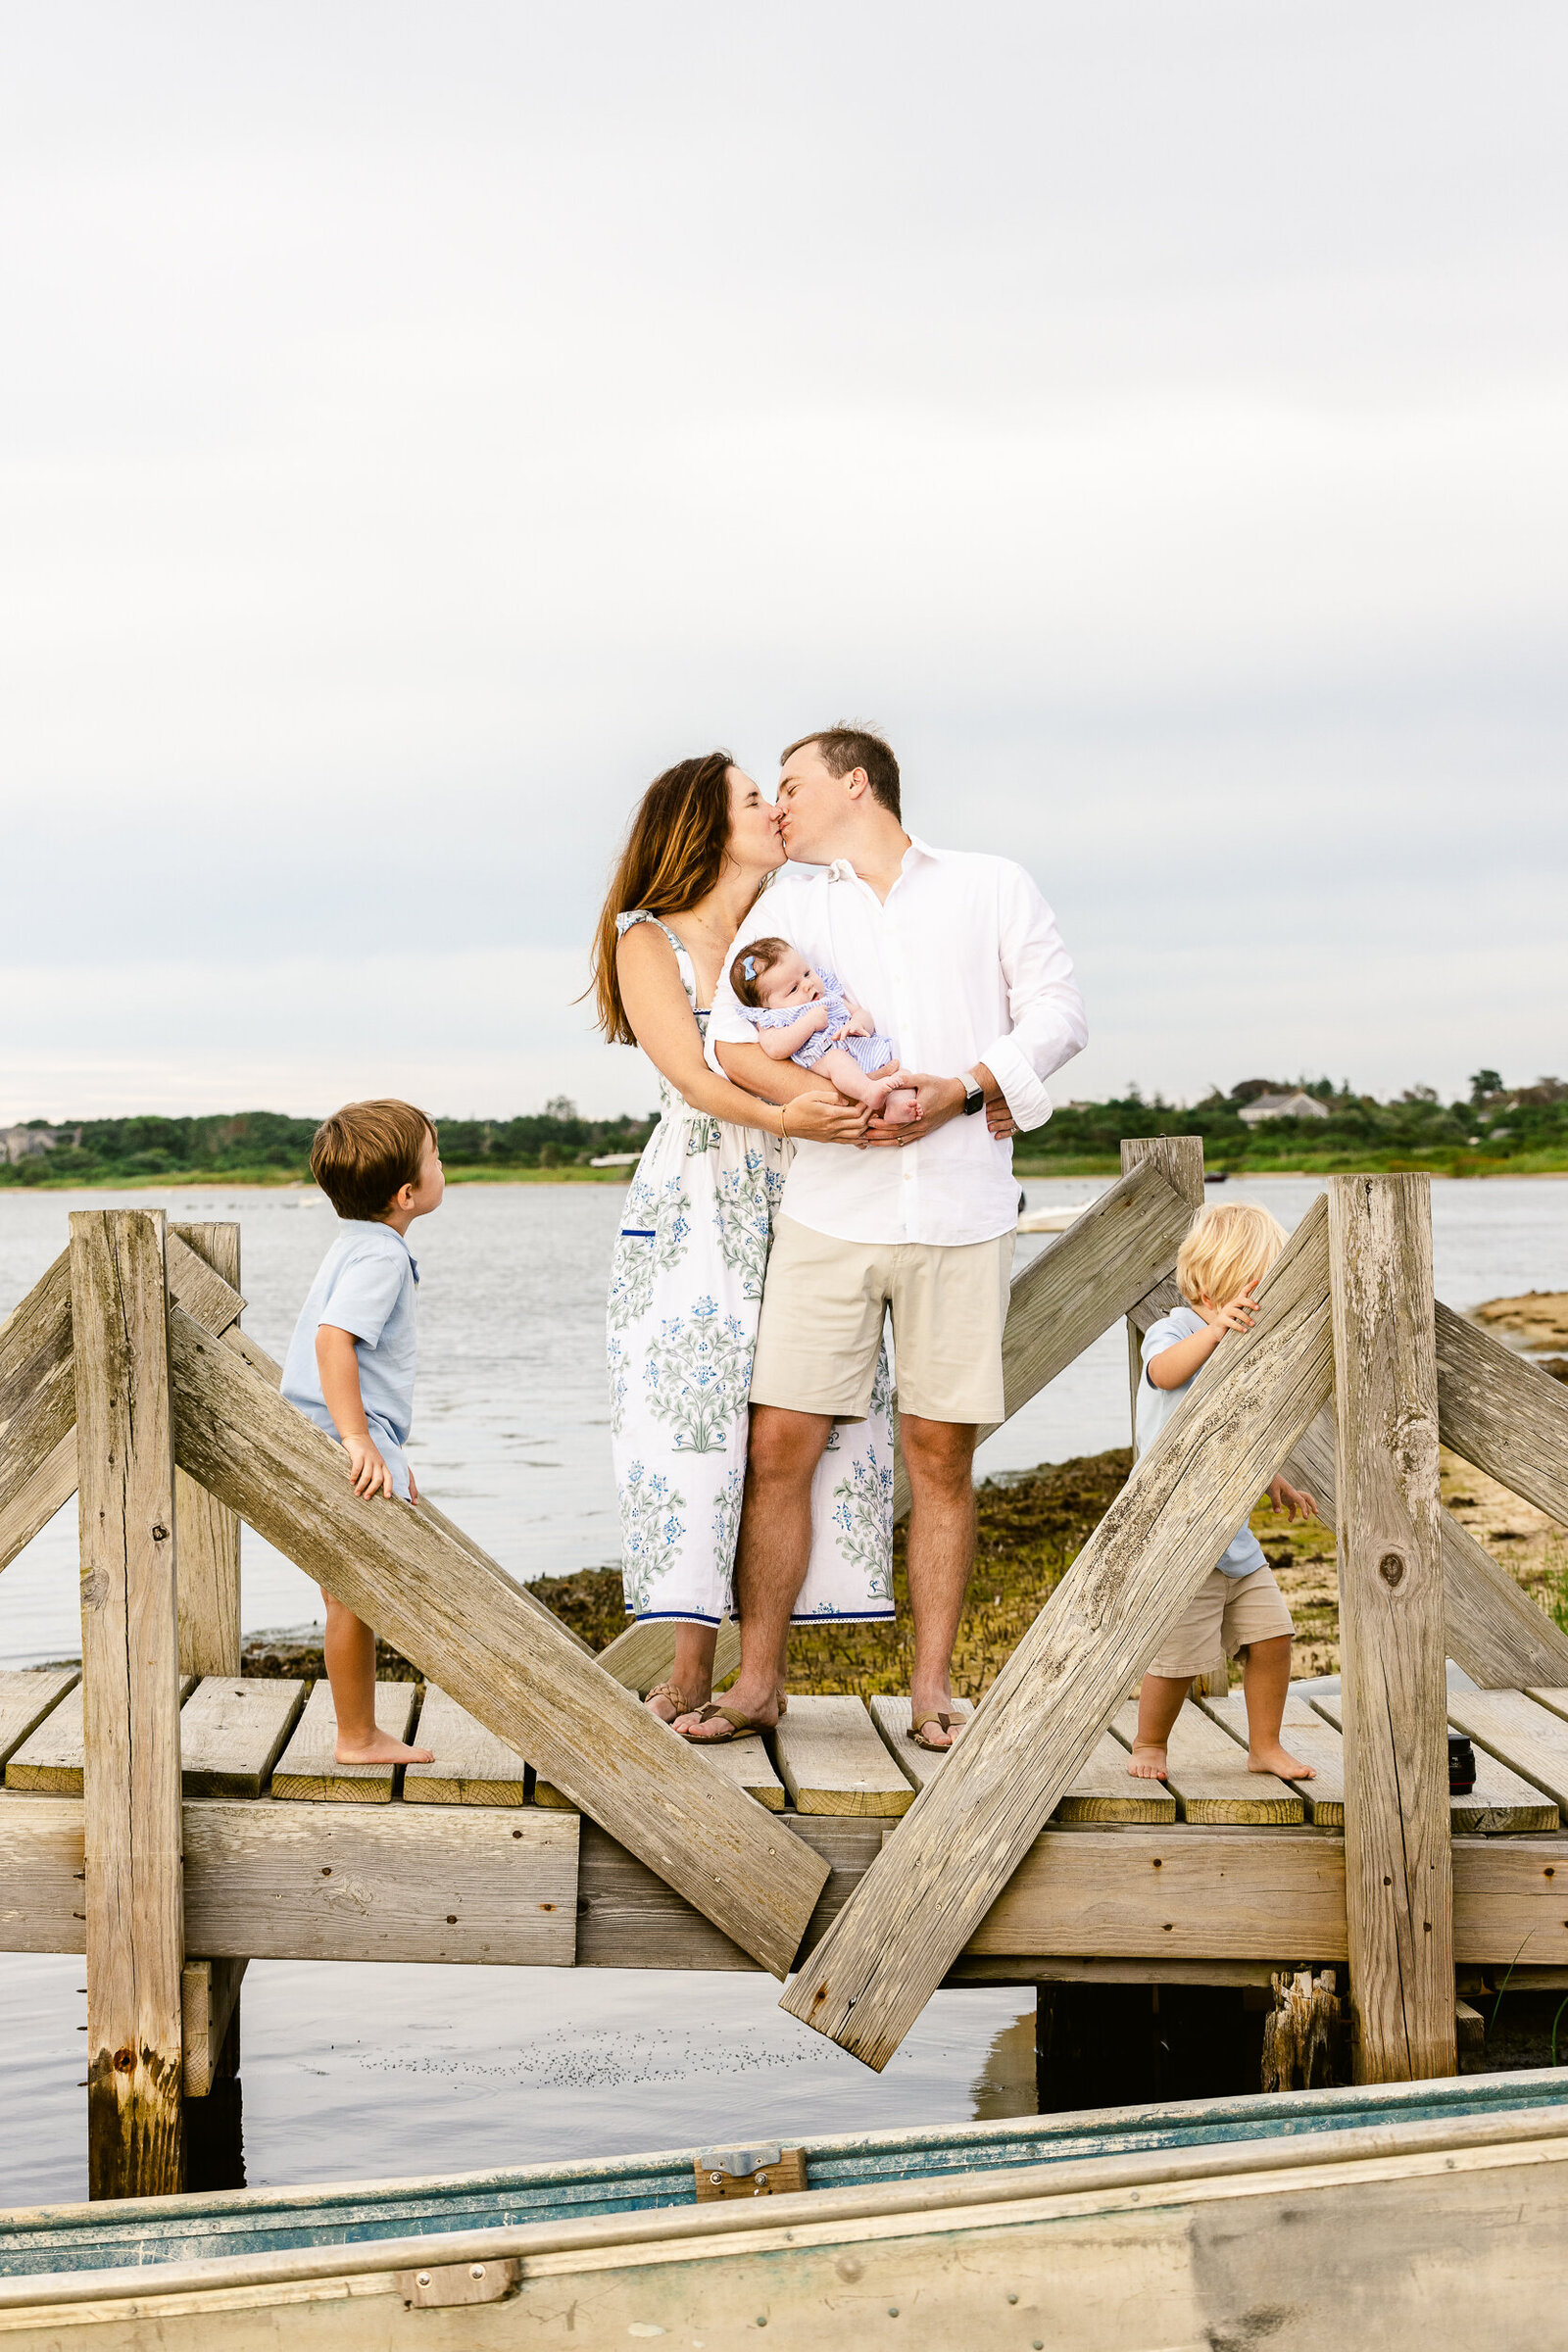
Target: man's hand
859,1024
369,1473
1294,1499
939,1100
998,1118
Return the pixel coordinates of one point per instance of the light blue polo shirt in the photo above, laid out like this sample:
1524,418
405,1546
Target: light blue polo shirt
367,1285
1245,1554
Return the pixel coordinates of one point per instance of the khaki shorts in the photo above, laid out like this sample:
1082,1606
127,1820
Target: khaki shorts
820,1327
1233,1610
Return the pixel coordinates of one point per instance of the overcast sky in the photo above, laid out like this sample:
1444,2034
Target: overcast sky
421,424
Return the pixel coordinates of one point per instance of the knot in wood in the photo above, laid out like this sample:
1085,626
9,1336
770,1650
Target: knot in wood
1392,1569
124,2062
160,1535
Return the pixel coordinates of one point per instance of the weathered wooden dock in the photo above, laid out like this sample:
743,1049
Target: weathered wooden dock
172,1820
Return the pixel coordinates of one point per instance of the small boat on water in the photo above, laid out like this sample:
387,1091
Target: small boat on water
1410,2216
1051,1220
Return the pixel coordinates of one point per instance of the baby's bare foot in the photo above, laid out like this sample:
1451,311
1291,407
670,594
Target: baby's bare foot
1269,1756
901,1108
381,1749
1147,1761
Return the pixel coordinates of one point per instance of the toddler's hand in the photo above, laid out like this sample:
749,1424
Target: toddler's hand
1294,1499
368,1472
1239,1315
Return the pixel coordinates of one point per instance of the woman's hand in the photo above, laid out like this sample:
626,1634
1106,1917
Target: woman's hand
820,1117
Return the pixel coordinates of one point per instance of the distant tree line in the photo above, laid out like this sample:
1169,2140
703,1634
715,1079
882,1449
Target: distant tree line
265,1144
1496,1126
1493,1124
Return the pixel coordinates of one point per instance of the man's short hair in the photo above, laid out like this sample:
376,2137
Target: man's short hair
365,1154
847,748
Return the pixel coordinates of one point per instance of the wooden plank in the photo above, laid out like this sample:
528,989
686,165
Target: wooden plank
1182,1893
928,1890
1064,1299
27,1697
626,1918
308,1772
1502,1802
472,1767
464,1884
49,1762
471,1630
1502,1413
232,1731
208,1530
831,1760
1525,1734
37,1407
208,1996
1398,1872
1208,1778
131,1680
1308,1735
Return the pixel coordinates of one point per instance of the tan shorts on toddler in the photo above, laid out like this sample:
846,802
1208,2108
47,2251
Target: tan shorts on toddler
1232,1611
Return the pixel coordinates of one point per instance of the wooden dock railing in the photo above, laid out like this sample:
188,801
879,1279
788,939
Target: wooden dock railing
128,1363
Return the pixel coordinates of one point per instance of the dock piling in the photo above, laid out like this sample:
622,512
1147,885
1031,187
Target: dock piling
132,1693
1399,1865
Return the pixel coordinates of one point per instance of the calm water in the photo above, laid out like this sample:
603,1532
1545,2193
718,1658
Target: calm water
360,2072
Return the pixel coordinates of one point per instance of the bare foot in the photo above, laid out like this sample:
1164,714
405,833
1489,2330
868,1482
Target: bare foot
1271,1757
901,1108
1147,1761
381,1748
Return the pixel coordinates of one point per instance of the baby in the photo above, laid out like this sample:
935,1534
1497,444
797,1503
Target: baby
810,1018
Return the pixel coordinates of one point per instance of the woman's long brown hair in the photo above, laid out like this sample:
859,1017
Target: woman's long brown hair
673,856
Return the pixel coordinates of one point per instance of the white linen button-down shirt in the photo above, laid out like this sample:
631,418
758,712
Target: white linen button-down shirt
962,965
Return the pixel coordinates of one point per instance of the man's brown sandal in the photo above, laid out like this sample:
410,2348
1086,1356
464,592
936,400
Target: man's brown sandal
945,1723
675,1693
740,1725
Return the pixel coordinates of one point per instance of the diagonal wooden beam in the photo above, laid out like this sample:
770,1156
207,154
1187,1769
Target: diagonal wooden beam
928,1890
1064,1298
1507,1416
1493,1629
471,1628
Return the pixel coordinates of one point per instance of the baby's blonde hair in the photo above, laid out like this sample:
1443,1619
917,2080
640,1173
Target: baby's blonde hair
1227,1249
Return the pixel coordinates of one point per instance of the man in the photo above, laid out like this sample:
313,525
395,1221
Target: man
959,957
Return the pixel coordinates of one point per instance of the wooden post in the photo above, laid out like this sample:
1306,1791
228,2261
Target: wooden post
1398,1864
208,1530
131,1686
1180,1160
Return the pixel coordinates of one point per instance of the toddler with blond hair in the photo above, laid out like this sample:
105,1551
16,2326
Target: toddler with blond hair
1226,1255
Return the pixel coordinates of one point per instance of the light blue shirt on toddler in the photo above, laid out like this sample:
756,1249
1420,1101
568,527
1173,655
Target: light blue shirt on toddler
1243,1555
367,1285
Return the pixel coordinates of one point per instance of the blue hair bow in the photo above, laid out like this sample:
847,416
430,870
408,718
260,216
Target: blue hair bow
748,968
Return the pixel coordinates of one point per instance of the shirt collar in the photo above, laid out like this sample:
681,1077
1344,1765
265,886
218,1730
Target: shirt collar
841,870
375,1225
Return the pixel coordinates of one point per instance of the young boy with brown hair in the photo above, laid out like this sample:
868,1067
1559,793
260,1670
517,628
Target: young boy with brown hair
1226,1255
351,1362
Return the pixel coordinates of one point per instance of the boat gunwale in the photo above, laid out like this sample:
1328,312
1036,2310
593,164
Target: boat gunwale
998,2188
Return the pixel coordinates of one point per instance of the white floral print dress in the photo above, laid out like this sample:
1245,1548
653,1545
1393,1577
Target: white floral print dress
684,1293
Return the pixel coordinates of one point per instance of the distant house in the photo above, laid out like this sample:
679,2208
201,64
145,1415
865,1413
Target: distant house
1296,1105
25,1143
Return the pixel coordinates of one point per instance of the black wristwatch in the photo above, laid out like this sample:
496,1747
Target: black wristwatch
974,1095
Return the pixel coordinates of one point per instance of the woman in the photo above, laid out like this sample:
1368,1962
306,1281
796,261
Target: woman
687,1279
